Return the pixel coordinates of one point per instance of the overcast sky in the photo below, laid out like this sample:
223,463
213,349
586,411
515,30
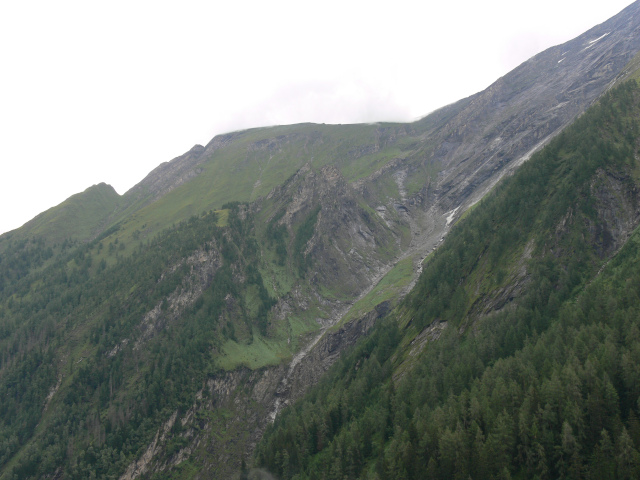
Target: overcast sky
96,92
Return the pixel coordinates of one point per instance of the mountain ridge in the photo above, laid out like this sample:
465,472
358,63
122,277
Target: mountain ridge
568,52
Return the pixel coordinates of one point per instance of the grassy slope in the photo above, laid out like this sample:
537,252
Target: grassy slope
250,167
54,232
77,218
387,289
260,159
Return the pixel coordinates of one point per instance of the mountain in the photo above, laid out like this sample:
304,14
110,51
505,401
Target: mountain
156,334
515,356
79,217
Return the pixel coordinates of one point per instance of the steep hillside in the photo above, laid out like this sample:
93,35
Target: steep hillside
79,217
54,232
238,288
516,354
158,333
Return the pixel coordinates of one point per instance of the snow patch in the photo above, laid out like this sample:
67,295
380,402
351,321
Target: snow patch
450,215
599,38
560,61
593,42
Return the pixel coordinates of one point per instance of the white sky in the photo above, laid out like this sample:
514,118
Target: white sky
105,91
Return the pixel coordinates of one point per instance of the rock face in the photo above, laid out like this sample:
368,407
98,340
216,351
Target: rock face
618,207
500,127
350,246
169,175
247,398
327,351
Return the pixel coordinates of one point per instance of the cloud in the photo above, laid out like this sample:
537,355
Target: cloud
347,101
